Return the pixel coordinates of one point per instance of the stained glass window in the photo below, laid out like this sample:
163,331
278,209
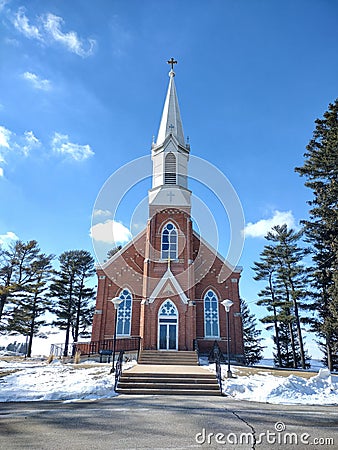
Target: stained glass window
124,314
211,322
169,242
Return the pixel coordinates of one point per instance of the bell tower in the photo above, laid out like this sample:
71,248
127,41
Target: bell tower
170,156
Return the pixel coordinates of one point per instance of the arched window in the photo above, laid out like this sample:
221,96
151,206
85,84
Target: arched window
211,322
124,314
169,242
170,169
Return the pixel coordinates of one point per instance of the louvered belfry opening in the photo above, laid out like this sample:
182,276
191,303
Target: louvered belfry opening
170,169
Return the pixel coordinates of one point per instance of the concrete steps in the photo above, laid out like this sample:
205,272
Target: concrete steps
168,383
182,358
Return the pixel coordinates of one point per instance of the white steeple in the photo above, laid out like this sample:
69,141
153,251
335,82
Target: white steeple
171,122
170,157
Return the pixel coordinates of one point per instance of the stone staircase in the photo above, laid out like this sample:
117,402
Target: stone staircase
181,358
168,373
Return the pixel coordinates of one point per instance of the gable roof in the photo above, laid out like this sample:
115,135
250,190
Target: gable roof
230,267
168,276
116,255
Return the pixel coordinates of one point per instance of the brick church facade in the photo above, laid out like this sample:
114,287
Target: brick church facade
170,280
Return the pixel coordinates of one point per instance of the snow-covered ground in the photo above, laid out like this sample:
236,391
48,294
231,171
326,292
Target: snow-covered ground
34,379
321,389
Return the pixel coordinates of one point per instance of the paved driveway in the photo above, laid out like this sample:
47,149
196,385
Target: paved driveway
166,422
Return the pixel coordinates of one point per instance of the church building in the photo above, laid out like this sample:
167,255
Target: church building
171,282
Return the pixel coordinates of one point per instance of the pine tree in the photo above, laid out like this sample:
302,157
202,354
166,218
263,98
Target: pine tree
321,172
281,265
72,299
266,270
251,336
112,251
16,273
31,303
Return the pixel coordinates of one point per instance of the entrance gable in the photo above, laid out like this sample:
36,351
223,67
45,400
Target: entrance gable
168,280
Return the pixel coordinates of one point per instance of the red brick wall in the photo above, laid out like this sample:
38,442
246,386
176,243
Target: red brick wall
138,267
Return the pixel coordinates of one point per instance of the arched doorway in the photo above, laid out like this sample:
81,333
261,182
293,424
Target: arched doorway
167,326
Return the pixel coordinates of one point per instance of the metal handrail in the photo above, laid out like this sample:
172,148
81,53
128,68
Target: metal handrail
118,368
219,374
217,357
197,350
89,348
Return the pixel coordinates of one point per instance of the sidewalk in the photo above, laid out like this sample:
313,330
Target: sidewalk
152,368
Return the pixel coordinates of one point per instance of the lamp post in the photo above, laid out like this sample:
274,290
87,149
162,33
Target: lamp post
227,305
116,302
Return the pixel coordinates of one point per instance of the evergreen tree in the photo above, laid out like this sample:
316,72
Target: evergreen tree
292,277
251,336
266,270
287,355
113,250
31,303
72,299
281,264
321,172
16,273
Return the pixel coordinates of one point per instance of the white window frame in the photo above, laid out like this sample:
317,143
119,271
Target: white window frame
205,299
169,243
121,312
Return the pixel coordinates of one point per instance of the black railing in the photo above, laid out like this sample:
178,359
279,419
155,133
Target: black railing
219,374
197,350
118,368
216,356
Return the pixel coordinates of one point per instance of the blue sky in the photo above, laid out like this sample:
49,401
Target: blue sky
82,86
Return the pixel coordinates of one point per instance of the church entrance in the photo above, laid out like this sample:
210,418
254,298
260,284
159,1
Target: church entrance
167,326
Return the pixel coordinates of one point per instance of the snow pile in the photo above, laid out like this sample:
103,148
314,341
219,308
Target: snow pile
321,389
34,379
56,381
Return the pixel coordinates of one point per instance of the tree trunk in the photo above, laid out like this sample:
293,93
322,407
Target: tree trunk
3,299
279,356
294,354
329,355
31,327
299,330
69,311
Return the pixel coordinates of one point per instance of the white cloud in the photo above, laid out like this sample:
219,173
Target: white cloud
11,143
5,136
101,213
37,82
70,40
22,24
62,145
47,30
111,232
263,226
6,239
30,142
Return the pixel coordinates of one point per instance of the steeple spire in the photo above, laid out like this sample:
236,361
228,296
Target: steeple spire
171,122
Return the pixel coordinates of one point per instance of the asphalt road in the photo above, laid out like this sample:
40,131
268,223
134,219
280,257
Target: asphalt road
166,422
